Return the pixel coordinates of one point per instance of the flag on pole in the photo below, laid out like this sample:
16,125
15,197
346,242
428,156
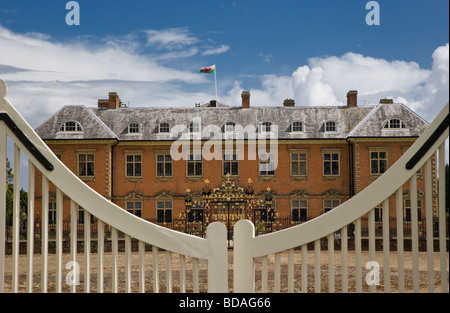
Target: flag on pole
209,69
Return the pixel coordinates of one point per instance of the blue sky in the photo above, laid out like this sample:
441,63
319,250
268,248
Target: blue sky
150,52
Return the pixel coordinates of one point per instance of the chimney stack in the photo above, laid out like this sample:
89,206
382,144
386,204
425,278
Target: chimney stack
386,101
113,102
352,98
245,99
289,103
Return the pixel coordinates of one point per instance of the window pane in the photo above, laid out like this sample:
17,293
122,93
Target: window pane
190,169
335,168
137,169
168,167
90,169
82,169
226,168
129,205
129,158
198,168
235,168
335,156
374,167
90,157
327,168
160,158
295,170
82,157
327,156
294,156
160,169
160,205
302,168
129,169
382,166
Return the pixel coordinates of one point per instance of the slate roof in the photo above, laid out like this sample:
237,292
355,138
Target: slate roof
360,121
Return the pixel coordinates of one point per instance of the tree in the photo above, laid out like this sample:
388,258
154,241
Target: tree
9,196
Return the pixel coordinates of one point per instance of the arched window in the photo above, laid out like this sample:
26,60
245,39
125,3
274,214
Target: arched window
394,123
229,127
164,128
194,127
71,126
297,127
265,127
134,128
330,126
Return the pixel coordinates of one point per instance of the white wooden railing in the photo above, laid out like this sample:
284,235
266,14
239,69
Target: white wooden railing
249,250
251,254
213,249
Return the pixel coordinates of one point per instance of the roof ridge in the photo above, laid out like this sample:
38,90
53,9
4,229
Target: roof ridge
100,121
364,120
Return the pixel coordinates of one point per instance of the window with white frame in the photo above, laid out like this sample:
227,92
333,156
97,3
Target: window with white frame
194,165
194,127
330,126
164,211
299,210
164,165
71,126
164,128
134,128
394,123
378,161
408,210
133,165
329,204
266,164
298,163
229,127
265,127
230,164
331,163
297,127
134,207
86,165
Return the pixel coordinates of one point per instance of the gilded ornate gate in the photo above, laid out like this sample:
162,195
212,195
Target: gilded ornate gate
227,203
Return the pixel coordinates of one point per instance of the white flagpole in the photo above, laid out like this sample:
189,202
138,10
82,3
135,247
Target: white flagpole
215,79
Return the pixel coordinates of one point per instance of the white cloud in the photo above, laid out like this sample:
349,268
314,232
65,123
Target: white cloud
172,38
221,49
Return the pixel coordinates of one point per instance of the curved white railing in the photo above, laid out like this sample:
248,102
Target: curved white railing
248,247
251,254
213,248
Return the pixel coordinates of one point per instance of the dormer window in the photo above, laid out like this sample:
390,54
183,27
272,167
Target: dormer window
394,123
265,127
164,128
71,126
229,127
330,126
297,127
134,128
194,127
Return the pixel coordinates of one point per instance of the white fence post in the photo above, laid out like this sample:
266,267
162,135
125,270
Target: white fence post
244,271
216,235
